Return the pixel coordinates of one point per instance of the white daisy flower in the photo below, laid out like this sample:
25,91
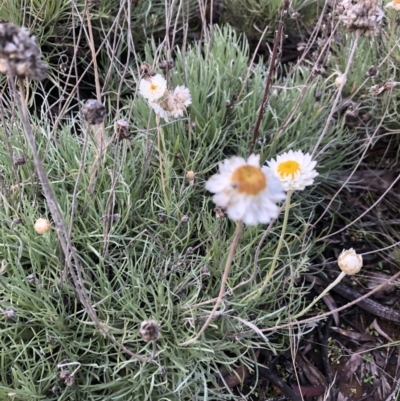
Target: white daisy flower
178,100
295,170
160,109
153,88
247,191
395,4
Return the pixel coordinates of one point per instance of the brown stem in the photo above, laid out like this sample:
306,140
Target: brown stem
274,61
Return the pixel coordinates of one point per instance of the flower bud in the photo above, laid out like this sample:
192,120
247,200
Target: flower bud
340,80
190,175
42,226
349,262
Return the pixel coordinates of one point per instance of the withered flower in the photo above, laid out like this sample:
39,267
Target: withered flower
19,54
93,112
122,130
362,16
150,330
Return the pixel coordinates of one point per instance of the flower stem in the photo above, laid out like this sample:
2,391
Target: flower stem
161,158
228,265
279,247
323,293
259,292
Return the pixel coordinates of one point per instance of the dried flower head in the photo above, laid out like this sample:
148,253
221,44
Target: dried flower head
68,377
372,71
173,103
42,226
19,160
349,262
178,100
146,70
93,112
19,54
362,16
167,65
122,130
220,212
150,330
9,314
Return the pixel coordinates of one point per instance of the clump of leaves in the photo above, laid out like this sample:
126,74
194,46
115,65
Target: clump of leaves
148,241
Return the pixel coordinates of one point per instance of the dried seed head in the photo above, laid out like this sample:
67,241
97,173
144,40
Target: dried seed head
19,160
372,72
17,220
19,54
122,130
93,112
150,330
110,217
167,65
64,374
319,69
9,314
32,279
362,16
205,271
162,217
220,212
42,226
146,70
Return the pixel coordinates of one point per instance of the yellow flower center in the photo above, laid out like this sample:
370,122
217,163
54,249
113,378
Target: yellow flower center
153,87
249,180
290,167
396,2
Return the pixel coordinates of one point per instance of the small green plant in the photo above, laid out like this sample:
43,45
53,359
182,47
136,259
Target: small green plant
334,351
368,378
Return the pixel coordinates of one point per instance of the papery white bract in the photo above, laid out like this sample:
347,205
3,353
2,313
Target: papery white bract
247,191
295,170
160,110
153,88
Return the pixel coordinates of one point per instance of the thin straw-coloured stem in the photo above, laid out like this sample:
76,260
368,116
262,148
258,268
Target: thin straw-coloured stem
225,275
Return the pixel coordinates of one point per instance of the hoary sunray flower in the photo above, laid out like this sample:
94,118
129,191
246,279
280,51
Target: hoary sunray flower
153,88
395,5
295,170
247,191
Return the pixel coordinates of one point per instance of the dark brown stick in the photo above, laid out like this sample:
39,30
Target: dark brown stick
274,61
367,304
